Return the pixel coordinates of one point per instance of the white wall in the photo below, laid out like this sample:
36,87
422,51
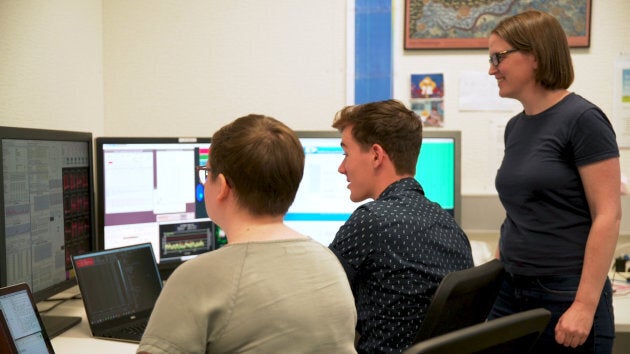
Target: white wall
185,68
51,64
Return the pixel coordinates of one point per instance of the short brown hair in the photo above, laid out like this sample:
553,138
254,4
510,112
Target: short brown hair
542,35
387,123
262,160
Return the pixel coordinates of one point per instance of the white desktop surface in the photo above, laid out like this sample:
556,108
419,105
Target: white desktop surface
621,301
78,339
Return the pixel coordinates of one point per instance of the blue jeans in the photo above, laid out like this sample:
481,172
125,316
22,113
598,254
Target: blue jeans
556,294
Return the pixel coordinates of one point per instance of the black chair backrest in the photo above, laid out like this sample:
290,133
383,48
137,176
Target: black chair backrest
462,299
513,334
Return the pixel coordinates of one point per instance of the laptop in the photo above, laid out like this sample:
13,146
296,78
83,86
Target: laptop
21,327
119,287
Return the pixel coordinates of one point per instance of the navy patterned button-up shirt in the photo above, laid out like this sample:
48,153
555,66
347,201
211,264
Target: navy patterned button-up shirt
396,250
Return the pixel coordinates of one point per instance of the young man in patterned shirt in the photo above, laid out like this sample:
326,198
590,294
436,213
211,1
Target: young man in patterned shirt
397,248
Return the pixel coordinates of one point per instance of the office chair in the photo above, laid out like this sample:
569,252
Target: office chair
462,299
513,334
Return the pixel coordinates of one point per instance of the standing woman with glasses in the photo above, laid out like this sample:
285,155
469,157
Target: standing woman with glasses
559,183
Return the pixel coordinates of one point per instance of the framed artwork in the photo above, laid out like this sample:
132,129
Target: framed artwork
440,24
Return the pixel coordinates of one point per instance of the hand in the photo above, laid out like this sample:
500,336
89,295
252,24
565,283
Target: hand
574,326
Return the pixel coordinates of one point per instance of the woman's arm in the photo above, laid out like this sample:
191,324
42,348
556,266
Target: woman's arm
601,182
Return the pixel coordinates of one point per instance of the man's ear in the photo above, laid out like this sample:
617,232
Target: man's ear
378,154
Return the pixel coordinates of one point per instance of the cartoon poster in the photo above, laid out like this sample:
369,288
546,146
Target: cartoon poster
427,98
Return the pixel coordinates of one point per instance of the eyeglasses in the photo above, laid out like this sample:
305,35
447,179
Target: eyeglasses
496,58
202,172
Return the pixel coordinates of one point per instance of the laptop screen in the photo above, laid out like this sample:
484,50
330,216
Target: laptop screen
118,283
20,320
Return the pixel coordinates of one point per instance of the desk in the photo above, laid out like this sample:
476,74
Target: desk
621,305
621,301
78,339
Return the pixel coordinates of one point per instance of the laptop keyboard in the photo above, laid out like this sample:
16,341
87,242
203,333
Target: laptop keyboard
132,332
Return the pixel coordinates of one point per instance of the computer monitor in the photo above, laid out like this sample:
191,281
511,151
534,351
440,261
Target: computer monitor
149,191
47,203
322,203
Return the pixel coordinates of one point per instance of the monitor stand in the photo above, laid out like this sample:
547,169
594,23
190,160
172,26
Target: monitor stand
56,325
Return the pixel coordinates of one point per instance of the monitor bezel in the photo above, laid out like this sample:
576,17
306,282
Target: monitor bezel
23,133
165,267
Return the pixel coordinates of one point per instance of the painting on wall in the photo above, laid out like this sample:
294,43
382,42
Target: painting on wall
440,24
